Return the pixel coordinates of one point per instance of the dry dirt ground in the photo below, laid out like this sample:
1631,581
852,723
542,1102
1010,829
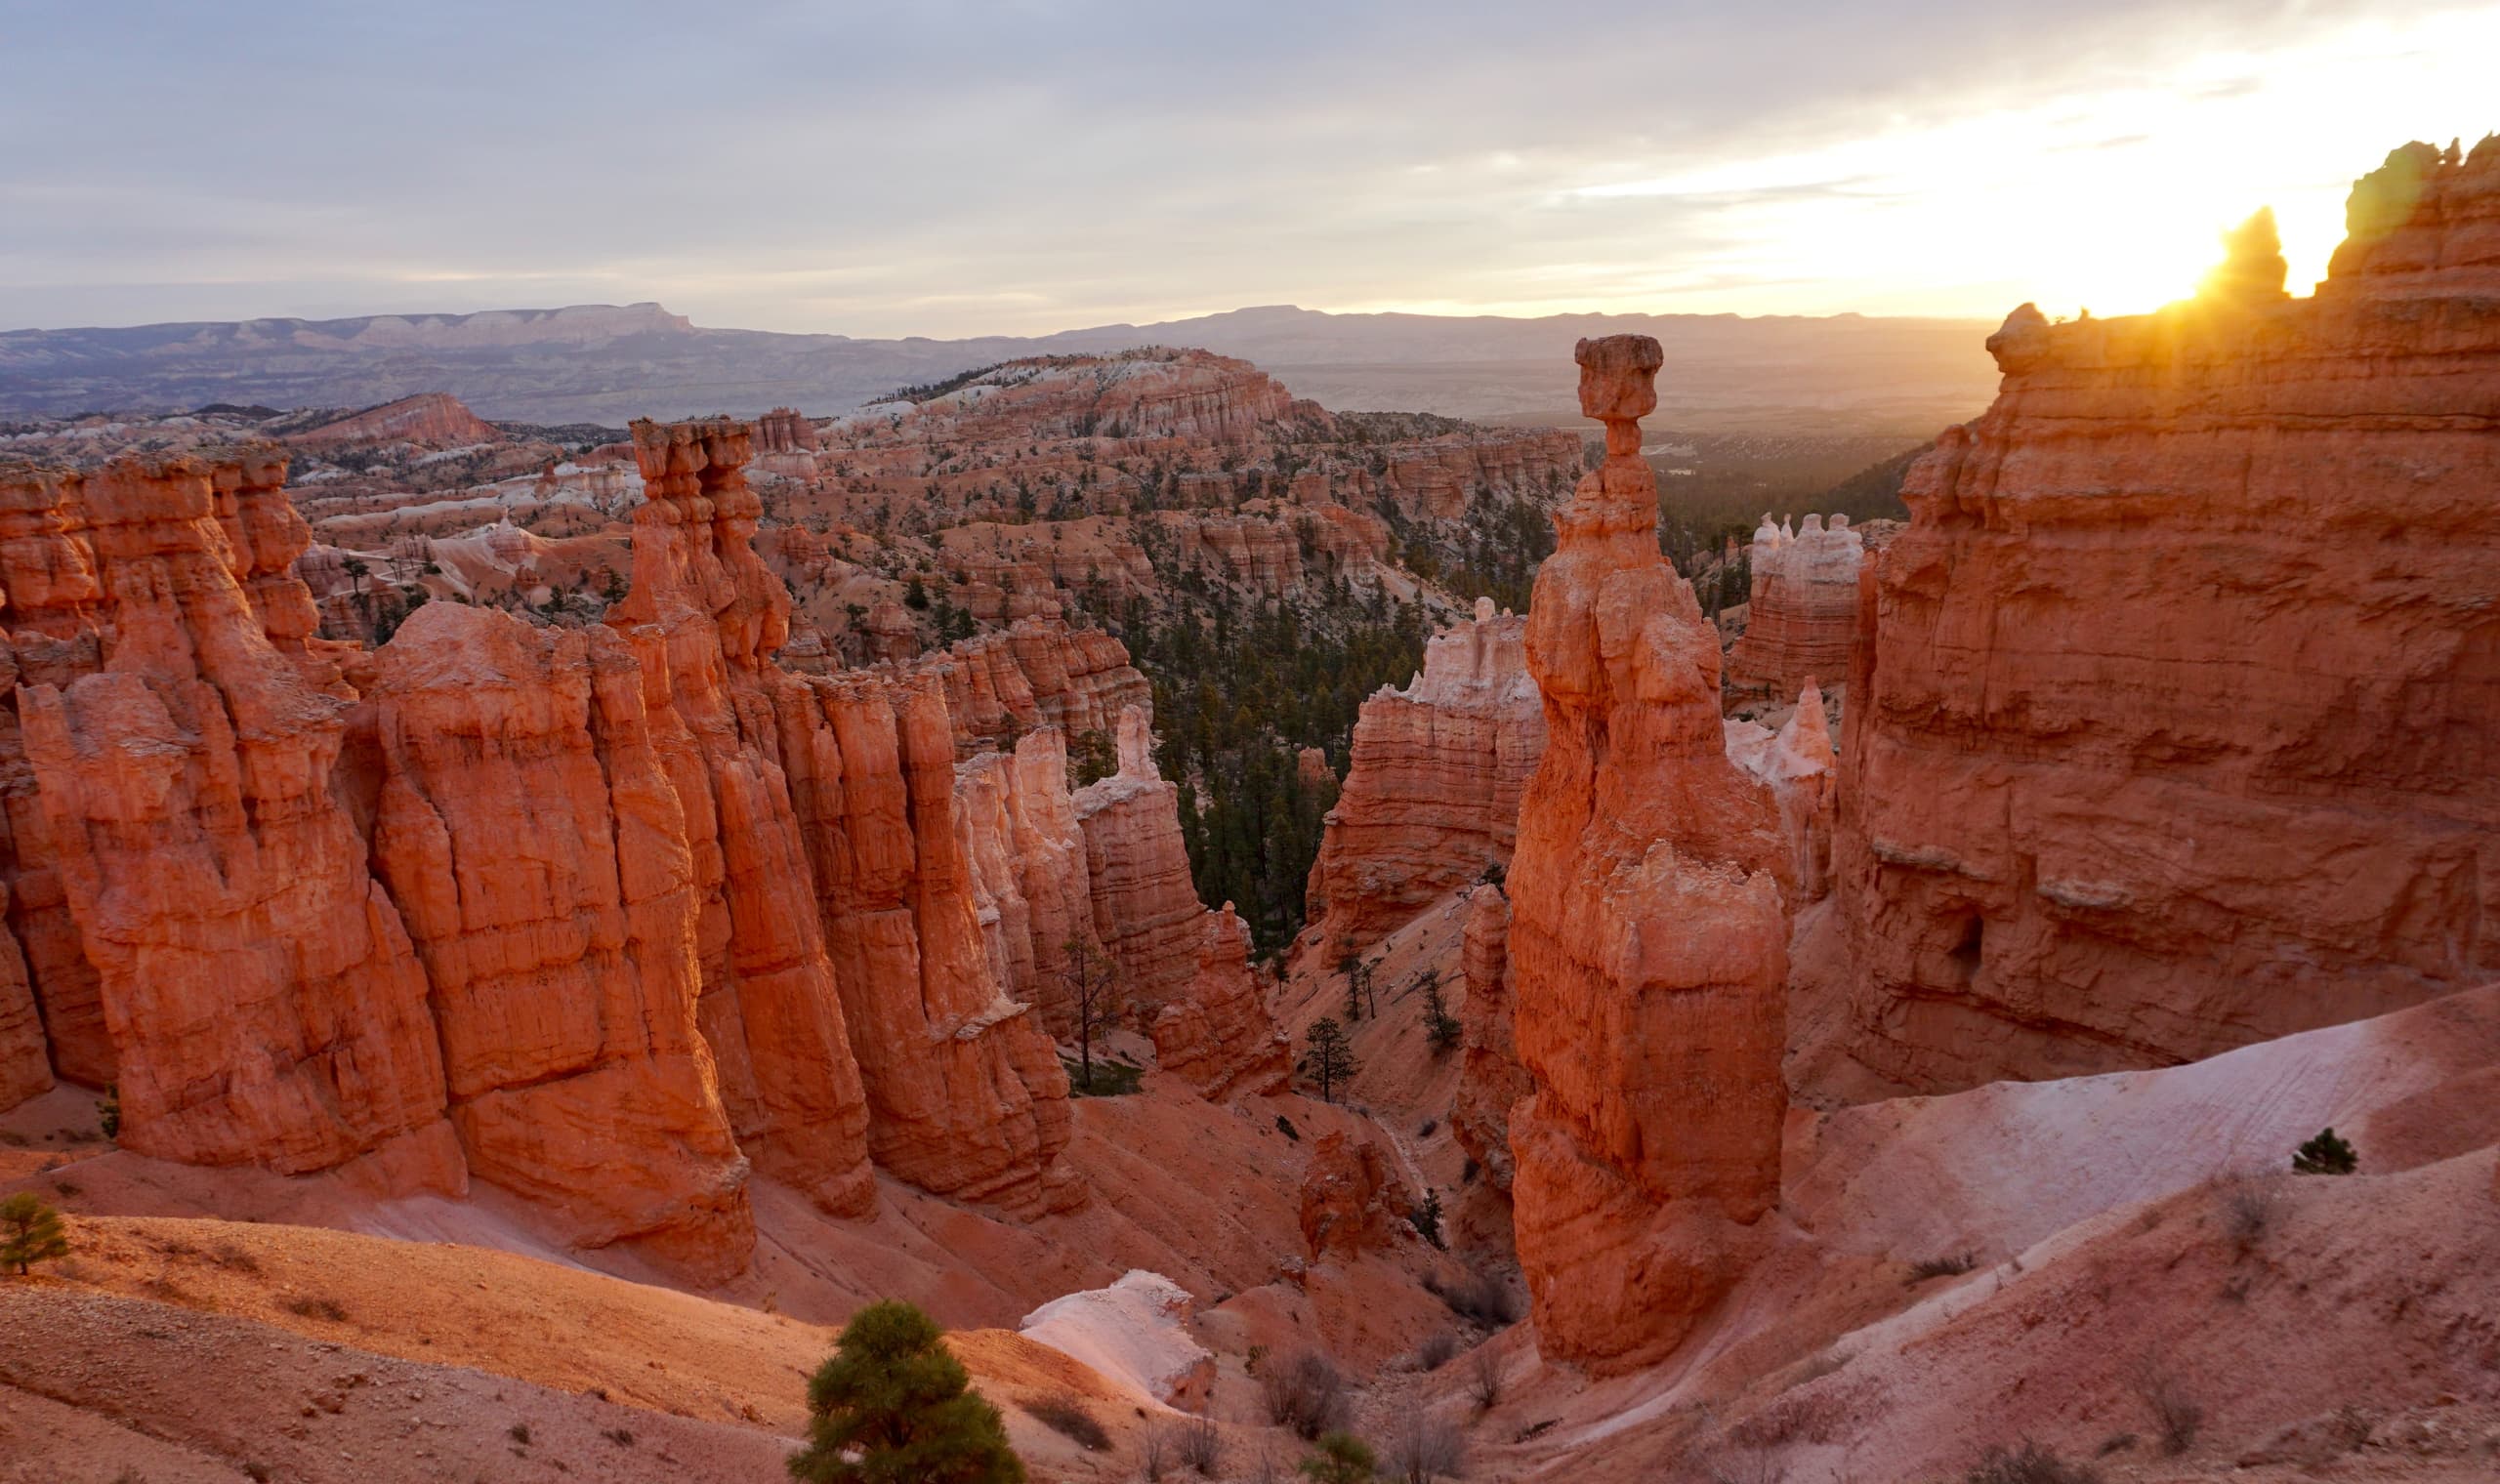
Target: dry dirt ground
463,1301
2115,1267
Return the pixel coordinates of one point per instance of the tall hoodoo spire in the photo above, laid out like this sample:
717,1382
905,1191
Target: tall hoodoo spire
1648,931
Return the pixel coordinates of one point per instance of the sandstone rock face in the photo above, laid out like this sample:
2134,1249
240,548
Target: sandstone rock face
703,617
540,859
1491,1078
1039,673
1433,796
1351,1203
784,430
1803,771
1649,931
1801,615
1145,909
261,995
1027,858
598,915
430,417
25,1064
965,1094
2185,724
1219,1037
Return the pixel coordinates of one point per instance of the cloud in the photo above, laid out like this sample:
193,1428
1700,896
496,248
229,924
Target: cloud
949,167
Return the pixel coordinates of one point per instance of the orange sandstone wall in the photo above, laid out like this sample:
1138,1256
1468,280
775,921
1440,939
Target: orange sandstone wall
1800,619
607,918
1431,796
2181,728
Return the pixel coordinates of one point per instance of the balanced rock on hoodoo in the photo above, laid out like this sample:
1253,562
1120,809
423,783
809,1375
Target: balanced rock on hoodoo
1648,931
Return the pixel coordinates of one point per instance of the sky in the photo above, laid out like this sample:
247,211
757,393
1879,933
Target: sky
947,168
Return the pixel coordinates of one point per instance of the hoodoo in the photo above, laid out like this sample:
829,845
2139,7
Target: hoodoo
1648,930
1432,798
1802,616
2182,728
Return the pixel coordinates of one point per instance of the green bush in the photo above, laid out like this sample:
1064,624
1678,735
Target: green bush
892,1406
1342,1458
2326,1154
30,1233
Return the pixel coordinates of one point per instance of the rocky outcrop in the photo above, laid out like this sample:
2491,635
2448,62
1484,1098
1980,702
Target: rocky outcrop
219,891
1027,860
26,1062
1219,1037
435,418
703,617
784,430
1145,909
1435,479
1351,1203
600,916
1038,673
2185,718
1491,1078
965,1094
1800,619
540,858
1802,771
1149,393
1135,1330
1433,797
1649,931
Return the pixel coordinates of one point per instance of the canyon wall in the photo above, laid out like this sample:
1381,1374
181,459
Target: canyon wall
1038,672
606,916
1181,972
261,997
1803,771
1028,864
2180,725
1218,1036
1801,615
1491,1078
1432,797
1145,907
1649,931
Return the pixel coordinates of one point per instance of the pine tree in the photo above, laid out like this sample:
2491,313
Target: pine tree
1093,989
1357,972
1426,1218
892,1406
1438,1023
29,1232
2326,1154
1342,1458
1328,1058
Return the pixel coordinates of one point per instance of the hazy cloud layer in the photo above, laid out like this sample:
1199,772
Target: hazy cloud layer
953,168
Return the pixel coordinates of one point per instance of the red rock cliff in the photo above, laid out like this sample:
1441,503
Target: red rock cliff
1648,931
704,618
2185,718
1433,796
598,915
1802,616
1038,673
262,999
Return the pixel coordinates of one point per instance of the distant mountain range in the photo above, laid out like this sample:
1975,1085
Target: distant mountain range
607,363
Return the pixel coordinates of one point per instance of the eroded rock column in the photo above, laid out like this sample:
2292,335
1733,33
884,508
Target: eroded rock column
1648,931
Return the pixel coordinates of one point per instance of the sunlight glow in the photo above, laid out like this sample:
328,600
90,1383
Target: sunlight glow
2112,202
